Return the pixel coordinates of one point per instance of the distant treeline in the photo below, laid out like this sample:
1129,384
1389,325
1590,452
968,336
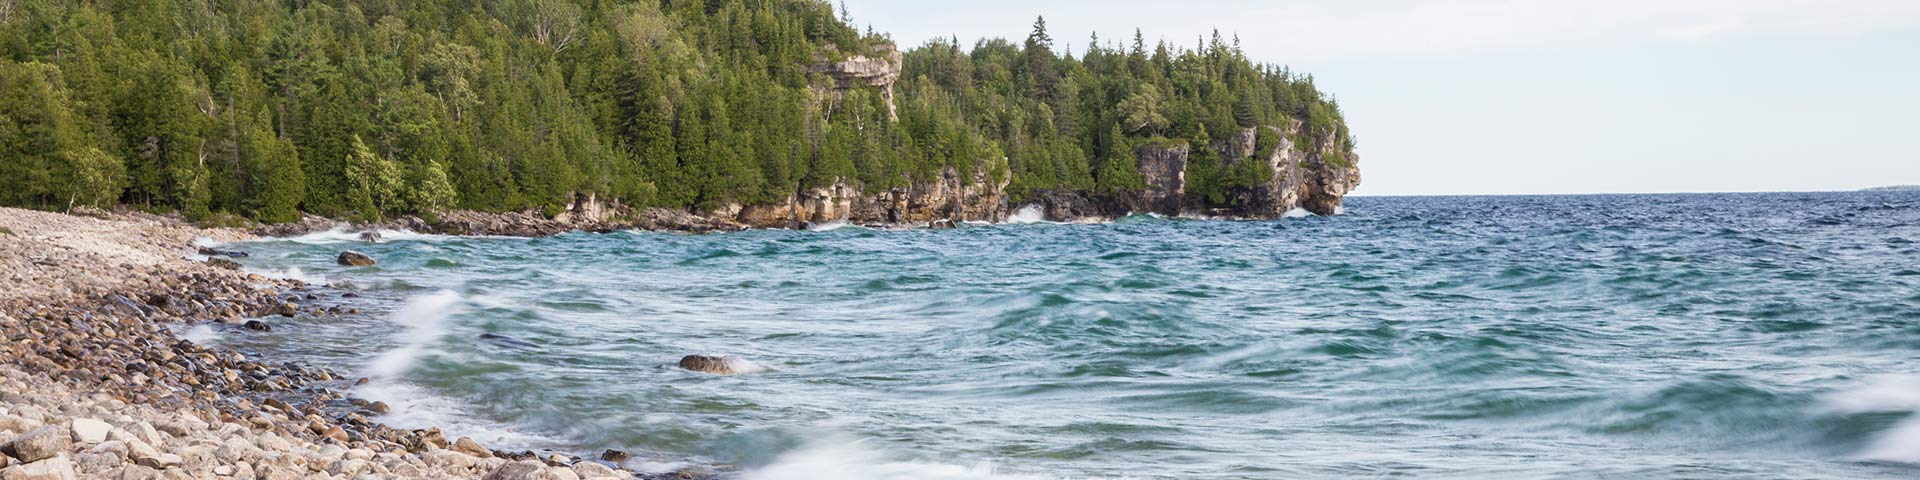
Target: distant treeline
365,108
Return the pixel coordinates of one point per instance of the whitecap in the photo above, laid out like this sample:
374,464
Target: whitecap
341,234
1885,395
831,226
1027,215
423,320
837,459
291,273
1296,213
201,334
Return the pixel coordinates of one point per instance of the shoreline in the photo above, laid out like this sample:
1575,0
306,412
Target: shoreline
107,389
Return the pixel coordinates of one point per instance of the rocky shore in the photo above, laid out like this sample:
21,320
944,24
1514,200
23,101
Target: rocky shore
94,384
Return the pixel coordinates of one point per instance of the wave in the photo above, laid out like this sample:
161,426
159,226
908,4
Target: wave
834,225
838,458
1894,394
424,318
1029,214
291,273
1297,213
201,334
341,234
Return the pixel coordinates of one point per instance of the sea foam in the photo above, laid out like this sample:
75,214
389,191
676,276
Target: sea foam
1883,395
423,321
1027,215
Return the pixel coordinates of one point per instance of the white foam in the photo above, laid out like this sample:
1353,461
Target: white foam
1027,215
1882,395
291,273
413,407
838,459
423,319
742,365
1296,213
340,234
201,334
831,226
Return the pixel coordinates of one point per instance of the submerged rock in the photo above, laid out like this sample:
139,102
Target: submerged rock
717,365
215,252
355,259
258,326
218,262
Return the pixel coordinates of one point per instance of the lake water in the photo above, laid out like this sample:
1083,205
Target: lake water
1630,336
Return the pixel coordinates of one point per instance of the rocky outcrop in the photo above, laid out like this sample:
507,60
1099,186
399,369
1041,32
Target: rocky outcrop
881,69
716,364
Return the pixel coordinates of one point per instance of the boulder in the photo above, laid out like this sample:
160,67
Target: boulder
258,326
370,236
355,259
717,365
468,446
40,444
87,431
53,468
222,263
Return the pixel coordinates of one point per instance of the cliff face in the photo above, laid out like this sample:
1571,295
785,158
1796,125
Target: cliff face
879,70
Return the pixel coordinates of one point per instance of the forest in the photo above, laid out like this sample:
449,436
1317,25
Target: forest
364,109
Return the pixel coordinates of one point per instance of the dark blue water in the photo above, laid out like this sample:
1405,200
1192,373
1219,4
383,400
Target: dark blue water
1641,336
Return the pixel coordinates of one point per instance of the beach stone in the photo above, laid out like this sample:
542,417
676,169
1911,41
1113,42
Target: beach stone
225,470
615,456
355,259
136,472
40,444
257,326
468,446
594,470
87,431
51,468
16,424
521,470
159,462
111,447
223,263
379,408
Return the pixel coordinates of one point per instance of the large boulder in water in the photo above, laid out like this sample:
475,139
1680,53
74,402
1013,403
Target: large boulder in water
717,364
355,259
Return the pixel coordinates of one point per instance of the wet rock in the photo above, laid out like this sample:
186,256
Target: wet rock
258,326
52,468
87,431
355,259
223,263
370,236
717,365
214,252
523,470
615,456
379,408
40,444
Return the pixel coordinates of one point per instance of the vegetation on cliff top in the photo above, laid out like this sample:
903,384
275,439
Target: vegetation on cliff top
368,108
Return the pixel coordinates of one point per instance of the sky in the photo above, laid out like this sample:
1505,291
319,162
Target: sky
1571,96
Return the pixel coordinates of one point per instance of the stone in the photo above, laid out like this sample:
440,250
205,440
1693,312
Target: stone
51,468
15,424
370,236
468,446
112,447
40,444
336,433
717,365
257,326
594,470
159,462
87,431
223,263
355,259
225,470
614,456
522,470
379,408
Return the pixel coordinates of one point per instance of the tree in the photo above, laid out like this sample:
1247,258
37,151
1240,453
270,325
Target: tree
373,182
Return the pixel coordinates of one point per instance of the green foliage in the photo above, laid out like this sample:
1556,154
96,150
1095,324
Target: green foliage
370,109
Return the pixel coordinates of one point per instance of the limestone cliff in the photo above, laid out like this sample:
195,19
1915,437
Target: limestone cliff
880,70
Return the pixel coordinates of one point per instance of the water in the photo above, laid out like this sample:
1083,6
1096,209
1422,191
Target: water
1671,336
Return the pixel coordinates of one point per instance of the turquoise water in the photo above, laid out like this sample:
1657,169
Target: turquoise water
1670,336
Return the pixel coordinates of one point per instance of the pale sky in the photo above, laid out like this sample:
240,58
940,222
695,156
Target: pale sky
1535,96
